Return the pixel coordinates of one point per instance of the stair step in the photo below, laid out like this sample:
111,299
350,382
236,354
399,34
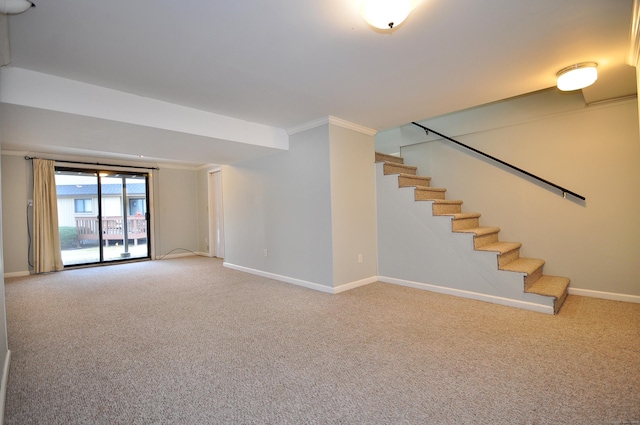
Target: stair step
485,238
483,235
551,286
462,216
425,193
532,267
395,168
446,206
463,221
385,157
408,180
507,251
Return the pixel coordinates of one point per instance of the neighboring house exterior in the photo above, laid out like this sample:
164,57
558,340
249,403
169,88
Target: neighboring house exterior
82,201
78,208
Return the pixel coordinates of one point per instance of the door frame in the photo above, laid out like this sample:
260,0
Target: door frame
216,215
99,174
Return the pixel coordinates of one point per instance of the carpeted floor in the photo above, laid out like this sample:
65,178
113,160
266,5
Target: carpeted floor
186,341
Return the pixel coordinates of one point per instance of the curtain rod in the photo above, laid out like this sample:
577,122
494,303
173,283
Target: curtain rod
94,163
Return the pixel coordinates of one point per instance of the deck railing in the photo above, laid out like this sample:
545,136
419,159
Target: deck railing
88,228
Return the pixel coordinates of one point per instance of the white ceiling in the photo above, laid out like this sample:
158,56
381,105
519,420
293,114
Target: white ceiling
283,63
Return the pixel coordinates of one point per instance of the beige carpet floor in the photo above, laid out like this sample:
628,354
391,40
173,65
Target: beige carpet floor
186,341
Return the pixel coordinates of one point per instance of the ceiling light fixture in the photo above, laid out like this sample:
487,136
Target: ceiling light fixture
386,14
578,76
15,7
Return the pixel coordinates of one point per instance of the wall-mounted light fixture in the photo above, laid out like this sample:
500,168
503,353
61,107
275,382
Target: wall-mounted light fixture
14,7
578,76
386,14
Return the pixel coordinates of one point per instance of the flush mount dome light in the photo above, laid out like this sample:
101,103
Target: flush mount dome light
14,7
578,76
386,14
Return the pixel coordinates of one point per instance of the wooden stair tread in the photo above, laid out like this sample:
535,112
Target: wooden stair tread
551,286
462,216
524,265
429,188
501,247
382,157
447,202
480,231
396,165
413,176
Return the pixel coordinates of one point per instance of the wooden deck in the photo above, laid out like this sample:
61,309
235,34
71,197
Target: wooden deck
88,228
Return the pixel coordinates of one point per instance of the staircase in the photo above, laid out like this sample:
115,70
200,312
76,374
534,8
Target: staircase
552,289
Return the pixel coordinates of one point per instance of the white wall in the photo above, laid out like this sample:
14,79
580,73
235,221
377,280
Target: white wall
282,203
593,151
111,206
353,205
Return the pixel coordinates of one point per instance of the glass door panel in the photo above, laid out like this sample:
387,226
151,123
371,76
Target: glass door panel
137,223
124,229
78,212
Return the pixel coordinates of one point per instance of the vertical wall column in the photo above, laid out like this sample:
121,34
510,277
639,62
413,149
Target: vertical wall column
305,216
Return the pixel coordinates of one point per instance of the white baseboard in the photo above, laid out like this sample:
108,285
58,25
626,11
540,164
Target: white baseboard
16,274
353,285
471,295
605,295
3,385
300,282
170,256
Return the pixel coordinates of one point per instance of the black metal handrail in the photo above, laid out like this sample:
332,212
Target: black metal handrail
562,189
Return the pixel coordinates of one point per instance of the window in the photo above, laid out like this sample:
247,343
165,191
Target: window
83,205
137,206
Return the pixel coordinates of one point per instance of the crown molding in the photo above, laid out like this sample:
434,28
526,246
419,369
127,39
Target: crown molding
211,168
351,126
307,126
331,120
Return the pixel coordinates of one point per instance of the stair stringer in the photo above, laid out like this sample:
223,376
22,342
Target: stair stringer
418,249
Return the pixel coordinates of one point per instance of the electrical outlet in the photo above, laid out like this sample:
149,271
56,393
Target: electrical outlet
266,253
360,258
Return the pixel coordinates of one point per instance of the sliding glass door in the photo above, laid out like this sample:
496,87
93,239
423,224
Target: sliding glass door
103,216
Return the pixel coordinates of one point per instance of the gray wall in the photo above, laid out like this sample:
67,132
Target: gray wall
4,345
282,203
15,192
593,151
176,211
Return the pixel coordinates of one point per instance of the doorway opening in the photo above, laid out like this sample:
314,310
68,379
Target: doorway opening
103,216
216,218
